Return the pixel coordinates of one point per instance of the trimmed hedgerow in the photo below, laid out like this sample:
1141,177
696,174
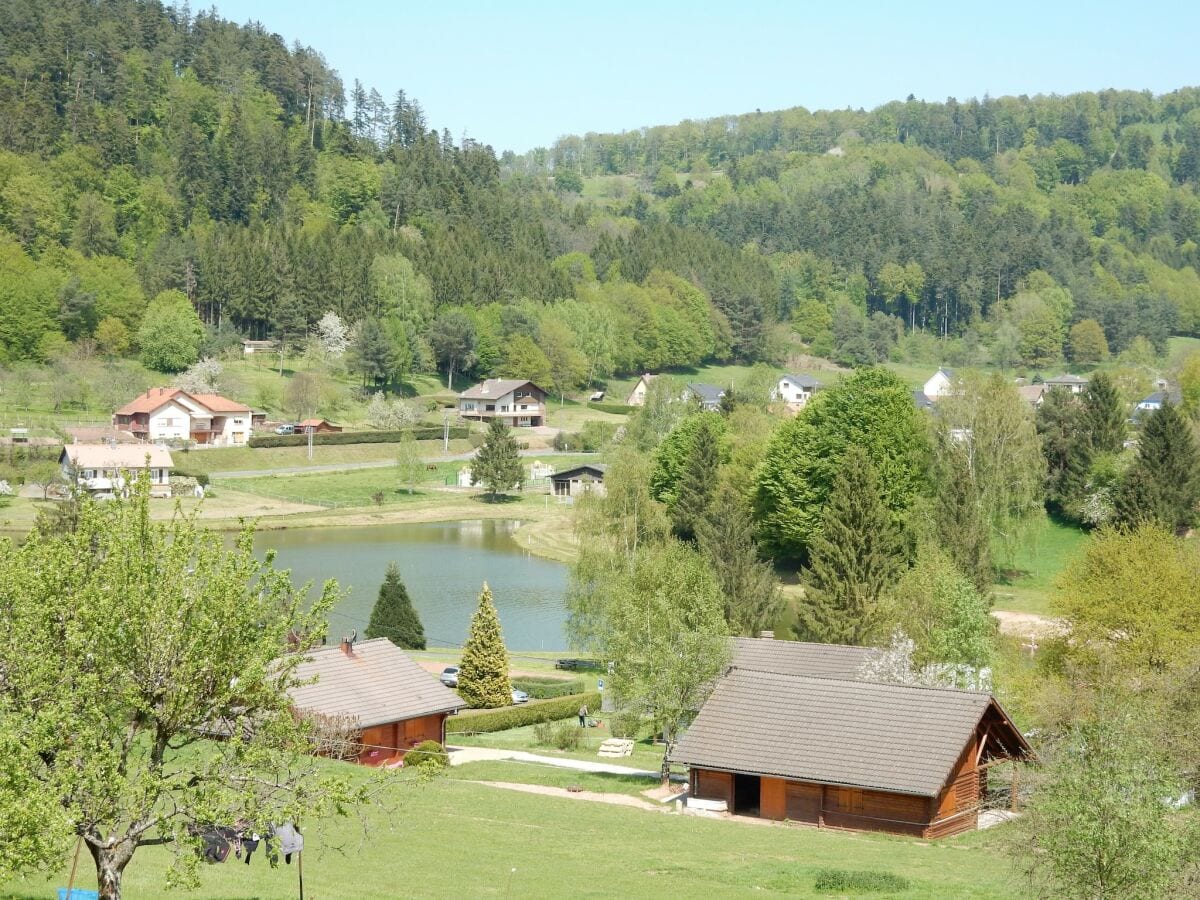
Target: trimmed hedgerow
427,753
420,433
858,881
549,688
480,721
619,409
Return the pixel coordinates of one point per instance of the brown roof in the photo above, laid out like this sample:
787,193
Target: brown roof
798,657
120,456
886,737
495,387
156,397
378,683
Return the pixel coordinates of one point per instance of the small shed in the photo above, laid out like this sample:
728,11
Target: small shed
585,479
465,477
392,703
249,348
317,426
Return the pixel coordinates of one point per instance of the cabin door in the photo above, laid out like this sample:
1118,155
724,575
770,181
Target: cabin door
746,794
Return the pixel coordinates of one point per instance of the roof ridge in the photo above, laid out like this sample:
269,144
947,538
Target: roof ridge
871,681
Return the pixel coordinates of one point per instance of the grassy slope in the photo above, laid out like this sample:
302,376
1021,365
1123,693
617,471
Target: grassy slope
1050,547
454,837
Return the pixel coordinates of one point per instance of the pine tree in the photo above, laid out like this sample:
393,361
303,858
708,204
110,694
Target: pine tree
497,463
1163,484
856,557
958,518
1103,416
749,585
393,616
698,481
483,671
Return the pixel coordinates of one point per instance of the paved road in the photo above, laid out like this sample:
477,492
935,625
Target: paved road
372,464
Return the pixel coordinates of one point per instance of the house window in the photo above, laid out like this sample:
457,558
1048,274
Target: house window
237,421
168,423
491,407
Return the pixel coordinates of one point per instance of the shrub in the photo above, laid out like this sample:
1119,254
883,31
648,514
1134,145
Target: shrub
549,688
564,735
427,754
483,721
625,724
419,433
859,881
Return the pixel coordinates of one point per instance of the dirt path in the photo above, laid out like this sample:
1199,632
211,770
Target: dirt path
592,796
1028,625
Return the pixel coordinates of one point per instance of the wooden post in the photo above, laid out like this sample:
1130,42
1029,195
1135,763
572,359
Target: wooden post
74,864
1016,780
300,871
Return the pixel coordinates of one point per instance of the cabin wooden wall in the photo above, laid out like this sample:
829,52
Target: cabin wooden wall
710,785
386,743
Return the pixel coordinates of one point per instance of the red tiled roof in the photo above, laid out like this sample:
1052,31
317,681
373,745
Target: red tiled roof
155,397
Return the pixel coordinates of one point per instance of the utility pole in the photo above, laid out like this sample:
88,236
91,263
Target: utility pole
446,433
310,429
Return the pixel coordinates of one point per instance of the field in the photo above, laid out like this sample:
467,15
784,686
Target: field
1026,587
453,837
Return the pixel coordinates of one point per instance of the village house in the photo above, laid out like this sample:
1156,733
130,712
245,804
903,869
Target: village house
940,384
391,703
249,348
171,415
1032,393
107,470
796,390
521,404
920,401
585,479
793,732
707,395
1072,383
317,426
637,397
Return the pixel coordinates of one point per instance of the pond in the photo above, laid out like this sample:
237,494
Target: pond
443,565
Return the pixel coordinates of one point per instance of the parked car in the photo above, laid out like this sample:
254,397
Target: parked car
519,696
449,676
285,428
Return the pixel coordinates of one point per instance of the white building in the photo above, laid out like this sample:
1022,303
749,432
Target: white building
940,384
521,404
109,469
170,415
1072,383
796,390
637,397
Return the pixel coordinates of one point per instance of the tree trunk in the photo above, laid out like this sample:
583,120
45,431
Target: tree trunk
110,867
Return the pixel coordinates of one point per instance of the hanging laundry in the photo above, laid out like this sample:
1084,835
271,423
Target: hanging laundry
290,840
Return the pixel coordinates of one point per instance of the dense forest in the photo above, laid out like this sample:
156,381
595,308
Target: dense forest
154,159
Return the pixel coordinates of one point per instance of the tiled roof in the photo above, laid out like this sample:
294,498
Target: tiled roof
155,398
599,468
803,380
120,456
921,401
706,393
218,404
884,737
377,683
1066,379
494,387
798,657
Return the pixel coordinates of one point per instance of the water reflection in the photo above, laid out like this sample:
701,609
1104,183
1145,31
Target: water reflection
443,565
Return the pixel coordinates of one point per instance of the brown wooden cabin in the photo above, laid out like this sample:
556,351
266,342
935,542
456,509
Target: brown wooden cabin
833,751
393,702
317,426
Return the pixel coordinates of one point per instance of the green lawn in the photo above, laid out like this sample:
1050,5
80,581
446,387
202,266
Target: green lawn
454,838
234,459
645,754
1049,548
520,772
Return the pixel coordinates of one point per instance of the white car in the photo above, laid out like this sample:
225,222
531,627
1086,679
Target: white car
449,676
519,696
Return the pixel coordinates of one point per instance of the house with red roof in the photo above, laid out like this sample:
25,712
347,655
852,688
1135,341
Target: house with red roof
172,415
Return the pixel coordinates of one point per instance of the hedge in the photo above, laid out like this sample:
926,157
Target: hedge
480,721
420,433
549,688
619,409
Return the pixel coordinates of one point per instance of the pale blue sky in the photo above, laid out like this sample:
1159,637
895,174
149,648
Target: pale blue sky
520,74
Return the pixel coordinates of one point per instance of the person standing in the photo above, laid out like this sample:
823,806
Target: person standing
583,714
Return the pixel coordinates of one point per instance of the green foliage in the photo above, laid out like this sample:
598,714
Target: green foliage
393,616
626,723
1088,345
564,735
871,409
549,688
674,454
483,669
958,523
170,333
428,755
1163,484
943,612
1104,415
748,584
858,881
698,479
855,560
337,438
497,462
617,409
488,721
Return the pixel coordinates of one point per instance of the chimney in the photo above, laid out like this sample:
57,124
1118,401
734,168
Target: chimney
348,642
767,635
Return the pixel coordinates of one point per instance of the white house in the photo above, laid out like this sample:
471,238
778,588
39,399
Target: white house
110,468
166,415
940,384
521,404
637,397
249,348
796,390
1072,383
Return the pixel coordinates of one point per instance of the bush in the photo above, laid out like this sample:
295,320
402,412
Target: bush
427,754
481,721
859,881
563,735
625,724
619,409
419,433
549,688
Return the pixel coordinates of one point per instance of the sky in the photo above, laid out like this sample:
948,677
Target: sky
523,73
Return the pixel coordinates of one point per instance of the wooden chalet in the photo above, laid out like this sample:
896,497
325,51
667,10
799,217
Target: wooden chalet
791,732
585,479
317,426
390,702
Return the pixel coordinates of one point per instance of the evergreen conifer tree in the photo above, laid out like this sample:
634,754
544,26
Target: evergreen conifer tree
749,585
1163,484
698,482
483,671
497,463
855,558
393,616
1103,415
958,519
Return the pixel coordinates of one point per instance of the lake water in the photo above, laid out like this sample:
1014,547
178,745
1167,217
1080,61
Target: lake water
443,565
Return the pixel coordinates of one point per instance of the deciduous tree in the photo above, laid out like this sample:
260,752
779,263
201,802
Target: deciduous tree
170,333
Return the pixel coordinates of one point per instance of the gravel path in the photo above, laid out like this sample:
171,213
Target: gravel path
462,755
592,796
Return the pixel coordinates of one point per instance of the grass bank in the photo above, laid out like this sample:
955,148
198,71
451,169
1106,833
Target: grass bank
1029,578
